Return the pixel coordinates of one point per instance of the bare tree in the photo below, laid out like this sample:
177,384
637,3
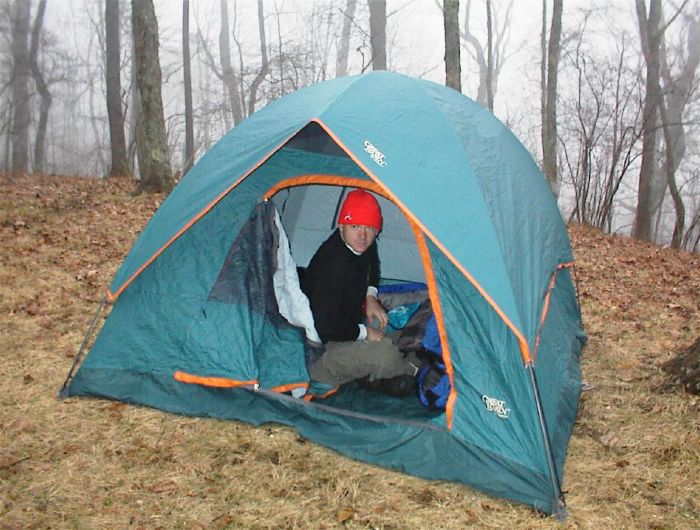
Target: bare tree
319,41
115,113
212,107
377,31
543,68
677,93
549,98
691,238
489,57
304,60
600,129
151,142
187,72
651,34
227,72
19,131
264,64
341,67
41,87
490,60
453,69
242,97
92,141
134,110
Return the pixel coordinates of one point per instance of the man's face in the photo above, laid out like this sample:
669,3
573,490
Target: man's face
358,237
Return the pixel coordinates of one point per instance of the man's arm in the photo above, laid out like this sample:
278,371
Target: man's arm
376,315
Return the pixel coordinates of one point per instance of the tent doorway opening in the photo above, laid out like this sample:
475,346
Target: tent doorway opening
309,214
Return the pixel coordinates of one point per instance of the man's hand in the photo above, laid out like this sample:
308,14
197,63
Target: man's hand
376,316
374,334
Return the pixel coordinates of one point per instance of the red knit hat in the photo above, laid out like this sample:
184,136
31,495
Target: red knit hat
361,208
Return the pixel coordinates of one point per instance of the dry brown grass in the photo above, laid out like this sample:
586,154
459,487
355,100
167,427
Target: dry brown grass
634,458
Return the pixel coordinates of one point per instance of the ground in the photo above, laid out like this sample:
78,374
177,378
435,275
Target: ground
685,368
634,457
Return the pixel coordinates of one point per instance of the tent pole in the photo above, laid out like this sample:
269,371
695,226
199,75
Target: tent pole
63,393
558,506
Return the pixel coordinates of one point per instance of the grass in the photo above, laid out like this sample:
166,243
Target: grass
634,457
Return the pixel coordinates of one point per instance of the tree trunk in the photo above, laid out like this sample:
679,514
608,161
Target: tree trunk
187,70
691,239
477,54
453,68
543,76
264,65
677,94
19,131
650,33
489,61
151,141
341,66
549,148
41,87
377,33
135,115
489,56
115,113
670,166
229,76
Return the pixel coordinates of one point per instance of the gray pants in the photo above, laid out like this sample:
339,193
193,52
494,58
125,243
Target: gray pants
343,362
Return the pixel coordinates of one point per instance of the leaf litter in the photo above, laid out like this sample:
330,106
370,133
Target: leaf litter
633,460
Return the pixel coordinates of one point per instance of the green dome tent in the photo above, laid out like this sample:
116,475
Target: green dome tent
195,329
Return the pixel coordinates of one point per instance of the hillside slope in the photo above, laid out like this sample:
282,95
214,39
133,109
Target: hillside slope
634,458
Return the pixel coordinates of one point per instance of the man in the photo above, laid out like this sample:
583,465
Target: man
341,284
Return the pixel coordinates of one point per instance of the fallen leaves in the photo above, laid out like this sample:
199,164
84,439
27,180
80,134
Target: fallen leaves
90,275
63,239
164,487
31,307
344,514
609,439
14,224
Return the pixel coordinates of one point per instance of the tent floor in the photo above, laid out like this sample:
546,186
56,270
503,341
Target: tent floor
353,398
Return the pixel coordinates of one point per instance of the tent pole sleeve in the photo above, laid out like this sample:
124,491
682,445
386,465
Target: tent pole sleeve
63,393
558,504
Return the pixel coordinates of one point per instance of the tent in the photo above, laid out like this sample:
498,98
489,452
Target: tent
195,328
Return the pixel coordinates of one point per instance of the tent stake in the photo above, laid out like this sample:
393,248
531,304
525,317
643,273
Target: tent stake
63,393
559,506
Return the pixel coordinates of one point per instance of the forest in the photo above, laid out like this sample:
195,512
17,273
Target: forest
108,104
603,94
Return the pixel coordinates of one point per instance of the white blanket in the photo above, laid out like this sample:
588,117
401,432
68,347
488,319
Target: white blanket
291,300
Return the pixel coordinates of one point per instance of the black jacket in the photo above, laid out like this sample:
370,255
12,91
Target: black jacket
336,283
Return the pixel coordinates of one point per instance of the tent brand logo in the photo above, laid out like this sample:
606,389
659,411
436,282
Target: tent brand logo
496,406
374,153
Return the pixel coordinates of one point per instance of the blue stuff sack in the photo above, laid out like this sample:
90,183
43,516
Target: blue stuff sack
433,383
431,337
399,316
